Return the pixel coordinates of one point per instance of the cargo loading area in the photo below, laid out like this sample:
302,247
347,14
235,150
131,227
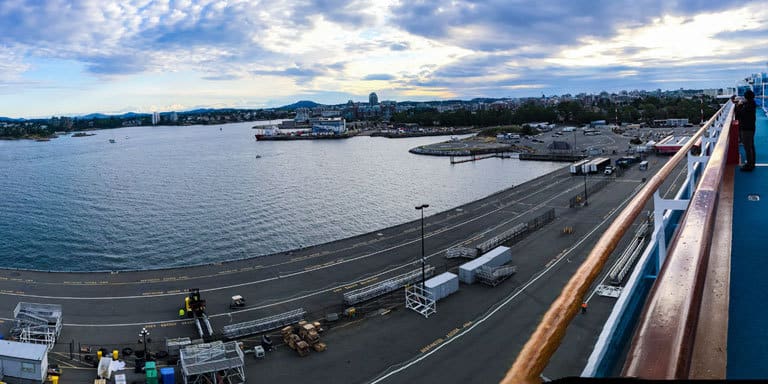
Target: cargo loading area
522,254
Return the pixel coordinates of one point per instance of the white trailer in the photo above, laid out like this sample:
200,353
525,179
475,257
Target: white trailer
577,166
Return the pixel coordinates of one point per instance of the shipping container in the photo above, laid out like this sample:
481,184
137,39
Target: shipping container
442,285
576,167
493,258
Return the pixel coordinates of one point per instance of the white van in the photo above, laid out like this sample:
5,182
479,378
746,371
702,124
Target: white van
643,165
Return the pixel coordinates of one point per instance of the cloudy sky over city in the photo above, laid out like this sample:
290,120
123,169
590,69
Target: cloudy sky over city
62,57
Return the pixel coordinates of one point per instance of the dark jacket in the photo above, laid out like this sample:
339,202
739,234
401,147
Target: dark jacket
745,114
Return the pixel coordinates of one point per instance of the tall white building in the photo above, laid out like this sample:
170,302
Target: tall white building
155,118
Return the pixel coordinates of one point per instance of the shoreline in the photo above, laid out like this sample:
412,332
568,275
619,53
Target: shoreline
289,252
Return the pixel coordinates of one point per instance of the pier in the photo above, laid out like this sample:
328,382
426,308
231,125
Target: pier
106,310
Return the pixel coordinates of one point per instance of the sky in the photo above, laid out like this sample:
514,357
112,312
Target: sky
75,57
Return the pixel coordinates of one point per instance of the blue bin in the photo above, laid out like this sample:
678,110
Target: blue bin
167,375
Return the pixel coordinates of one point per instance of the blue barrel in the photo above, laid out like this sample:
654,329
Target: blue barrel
167,375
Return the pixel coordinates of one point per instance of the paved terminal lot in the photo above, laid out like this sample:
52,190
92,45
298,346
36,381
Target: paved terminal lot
474,336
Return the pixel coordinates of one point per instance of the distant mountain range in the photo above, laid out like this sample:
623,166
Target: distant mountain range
128,115
301,104
290,107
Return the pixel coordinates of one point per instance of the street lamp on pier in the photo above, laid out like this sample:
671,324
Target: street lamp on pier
143,336
423,261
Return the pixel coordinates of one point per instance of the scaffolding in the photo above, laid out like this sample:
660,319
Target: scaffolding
234,331
174,345
465,252
493,276
216,362
495,241
516,233
420,300
37,323
390,285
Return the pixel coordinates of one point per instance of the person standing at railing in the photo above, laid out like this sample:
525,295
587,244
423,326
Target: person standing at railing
745,114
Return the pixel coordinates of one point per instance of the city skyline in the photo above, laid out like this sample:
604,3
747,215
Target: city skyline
79,57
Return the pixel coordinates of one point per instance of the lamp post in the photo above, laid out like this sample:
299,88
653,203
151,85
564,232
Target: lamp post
143,335
423,261
586,203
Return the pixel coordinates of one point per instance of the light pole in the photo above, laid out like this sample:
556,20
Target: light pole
143,335
423,261
585,190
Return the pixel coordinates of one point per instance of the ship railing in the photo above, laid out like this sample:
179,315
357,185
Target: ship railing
535,355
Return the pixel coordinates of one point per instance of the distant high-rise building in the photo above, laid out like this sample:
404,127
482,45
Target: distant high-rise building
373,99
174,117
155,118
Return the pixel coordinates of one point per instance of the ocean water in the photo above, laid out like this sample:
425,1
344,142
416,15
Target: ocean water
175,196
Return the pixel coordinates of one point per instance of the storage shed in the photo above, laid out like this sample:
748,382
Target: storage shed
442,285
23,363
493,258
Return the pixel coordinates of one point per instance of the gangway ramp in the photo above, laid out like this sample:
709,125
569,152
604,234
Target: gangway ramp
382,288
234,331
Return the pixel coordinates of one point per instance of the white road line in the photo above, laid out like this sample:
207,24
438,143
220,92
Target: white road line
499,306
319,267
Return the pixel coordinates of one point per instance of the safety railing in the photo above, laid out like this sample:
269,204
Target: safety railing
664,339
545,340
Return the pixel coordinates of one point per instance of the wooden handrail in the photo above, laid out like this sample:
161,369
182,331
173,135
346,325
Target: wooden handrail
535,355
664,339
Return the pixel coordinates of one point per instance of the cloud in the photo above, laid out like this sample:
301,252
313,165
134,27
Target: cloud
512,24
400,46
430,48
379,76
116,64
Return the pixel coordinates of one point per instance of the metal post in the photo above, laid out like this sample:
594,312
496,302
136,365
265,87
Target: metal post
143,334
423,261
586,203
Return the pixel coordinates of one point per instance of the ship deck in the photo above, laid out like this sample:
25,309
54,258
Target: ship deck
749,263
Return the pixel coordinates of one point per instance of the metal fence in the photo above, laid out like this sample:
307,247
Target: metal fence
517,233
382,288
593,188
234,331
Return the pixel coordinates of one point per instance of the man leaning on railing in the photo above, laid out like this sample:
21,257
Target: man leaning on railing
745,114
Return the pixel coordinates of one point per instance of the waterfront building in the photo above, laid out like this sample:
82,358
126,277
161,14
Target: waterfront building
302,115
335,126
155,118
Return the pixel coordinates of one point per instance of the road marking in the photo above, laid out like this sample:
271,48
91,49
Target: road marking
318,267
498,307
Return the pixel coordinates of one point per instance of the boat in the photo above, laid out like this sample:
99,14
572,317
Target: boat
112,141
258,156
269,130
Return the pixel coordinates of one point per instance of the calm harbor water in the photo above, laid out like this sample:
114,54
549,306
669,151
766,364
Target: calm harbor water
175,196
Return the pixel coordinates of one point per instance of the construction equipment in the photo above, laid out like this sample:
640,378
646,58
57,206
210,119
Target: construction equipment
195,306
237,302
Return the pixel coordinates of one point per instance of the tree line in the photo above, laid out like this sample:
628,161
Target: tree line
639,110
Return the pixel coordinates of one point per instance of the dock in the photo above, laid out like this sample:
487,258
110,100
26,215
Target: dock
106,310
